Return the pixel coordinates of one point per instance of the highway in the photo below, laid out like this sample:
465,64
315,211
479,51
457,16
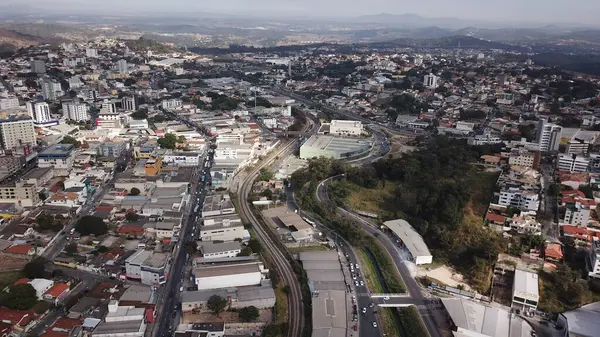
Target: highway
414,290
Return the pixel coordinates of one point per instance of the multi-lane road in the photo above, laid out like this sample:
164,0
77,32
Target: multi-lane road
414,290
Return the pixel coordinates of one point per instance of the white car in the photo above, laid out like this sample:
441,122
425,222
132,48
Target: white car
386,298
364,310
357,266
356,283
374,324
362,283
354,276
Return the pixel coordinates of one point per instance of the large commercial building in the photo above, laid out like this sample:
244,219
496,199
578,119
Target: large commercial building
469,318
59,156
262,297
9,103
215,205
182,158
223,231
229,275
51,89
548,135
346,128
525,292
16,131
111,149
411,240
147,266
333,147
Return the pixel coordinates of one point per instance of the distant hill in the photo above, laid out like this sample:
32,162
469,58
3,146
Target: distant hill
11,40
450,42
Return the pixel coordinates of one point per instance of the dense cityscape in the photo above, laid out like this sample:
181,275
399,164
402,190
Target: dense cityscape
148,189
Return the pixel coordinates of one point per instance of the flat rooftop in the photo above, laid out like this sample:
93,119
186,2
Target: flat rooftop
409,236
336,144
57,150
224,270
209,247
329,316
526,285
36,173
485,320
114,328
584,321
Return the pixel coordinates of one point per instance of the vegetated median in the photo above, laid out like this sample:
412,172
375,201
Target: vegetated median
411,323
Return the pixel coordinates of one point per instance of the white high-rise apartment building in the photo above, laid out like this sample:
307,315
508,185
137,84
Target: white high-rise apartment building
573,163
40,112
76,111
9,103
122,64
91,52
430,81
109,107
523,200
129,103
51,89
548,135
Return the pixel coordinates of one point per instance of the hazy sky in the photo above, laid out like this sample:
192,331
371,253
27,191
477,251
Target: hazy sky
547,11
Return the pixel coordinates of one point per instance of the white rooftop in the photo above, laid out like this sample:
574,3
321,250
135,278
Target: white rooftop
526,285
584,321
409,236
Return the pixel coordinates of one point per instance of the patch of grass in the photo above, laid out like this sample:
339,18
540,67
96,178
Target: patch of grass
281,304
388,322
9,277
481,187
314,248
368,272
411,322
376,200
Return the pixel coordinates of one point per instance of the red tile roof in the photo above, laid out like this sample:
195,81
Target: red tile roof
573,193
21,281
574,229
495,217
125,229
5,329
19,249
57,289
17,317
554,250
67,324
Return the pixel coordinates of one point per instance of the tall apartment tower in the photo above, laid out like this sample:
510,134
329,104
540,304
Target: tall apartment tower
39,112
91,52
129,103
430,81
38,66
548,135
51,89
16,131
122,65
76,111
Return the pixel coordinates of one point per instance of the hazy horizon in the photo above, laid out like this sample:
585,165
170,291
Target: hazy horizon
532,11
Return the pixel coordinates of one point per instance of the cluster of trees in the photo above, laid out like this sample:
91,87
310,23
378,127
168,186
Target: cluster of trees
47,222
170,141
71,140
19,297
90,224
140,114
221,102
405,104
340,69
254,247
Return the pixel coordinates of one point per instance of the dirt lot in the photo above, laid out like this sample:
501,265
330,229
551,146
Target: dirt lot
10,263
444,275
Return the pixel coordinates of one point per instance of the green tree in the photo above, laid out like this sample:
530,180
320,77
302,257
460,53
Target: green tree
587,190
135,191
71,248
90,224
248,314
265,175
246,251
102,249
267,193
140,114
19,297
255,245
169,141
132,217
216,304
35,268
190,247
554,190
70,140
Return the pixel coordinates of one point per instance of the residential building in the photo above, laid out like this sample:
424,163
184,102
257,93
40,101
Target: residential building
59,156
129,103
430,81
9,103
159,229
578,146
20,193
573,163
173,103
111,149
147,266
16,131
153,166
525,158
229,275
91,52
577,210
138,124
76,111
110,109
39,112
525,223
38,66
122,321
51,89
41,286
122,66
485,139
143,152
525,292
523,200
593,259
548,135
